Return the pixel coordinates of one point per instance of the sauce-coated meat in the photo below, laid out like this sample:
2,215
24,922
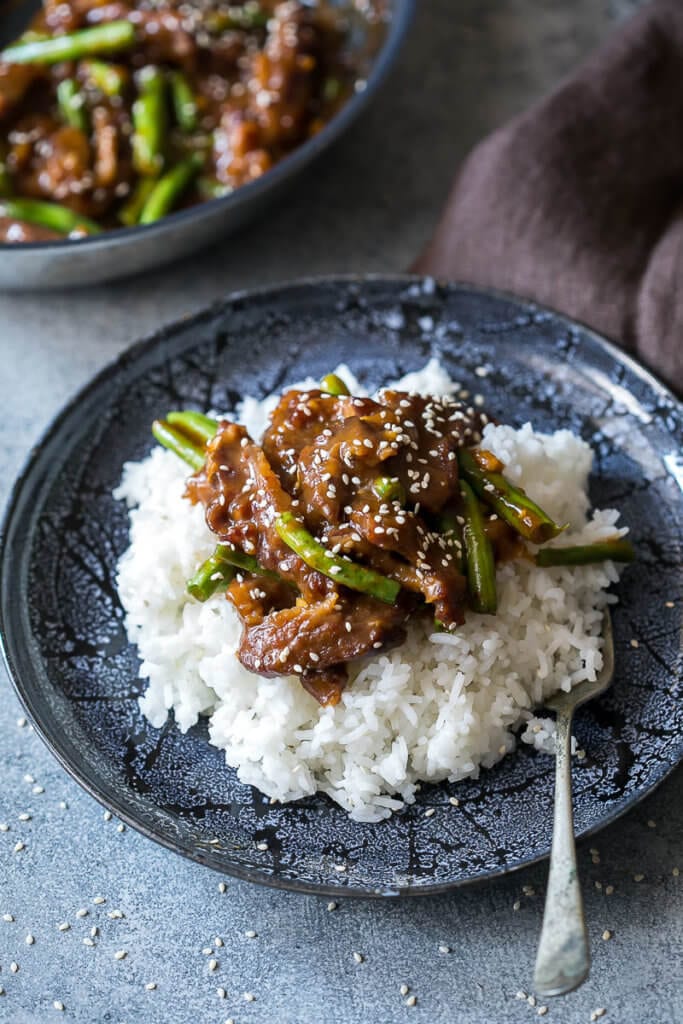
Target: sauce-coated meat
369,480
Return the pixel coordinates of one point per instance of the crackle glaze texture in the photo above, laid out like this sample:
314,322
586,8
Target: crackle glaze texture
77,675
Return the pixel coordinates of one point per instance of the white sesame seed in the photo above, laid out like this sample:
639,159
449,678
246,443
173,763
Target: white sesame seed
430,812
99,900
218,941
638,878
213,964
58,1005
411,1001
2,991
82,912
18,847
115,915
24,817
14,967
121,827
652,824
4,827
542,1010
150,986
207,951
669,604
634,643
251,934
29,778
600,1012
516,906
64,926
340,867
94,932
63,805
263,846
444,949
454,802
531,1000
107,815
222,887
221,993
21,722
38,790
249,997
120,954
88,942
520,995
404,990
675,872
29,939
607,935
331,906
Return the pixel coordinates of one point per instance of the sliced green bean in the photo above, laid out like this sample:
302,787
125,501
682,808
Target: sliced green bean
110,79
71,103
481,567
184,102
349,574
6,184
244,16
111,37
179,444
211,188
389,488
511,503
212,575
334,385
169,188
149,122
48,215
585,554
129,214
195,424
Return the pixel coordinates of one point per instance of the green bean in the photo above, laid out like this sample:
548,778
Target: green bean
48,215
331,89
196,425
349,574
584,554
149,122
334,385
110,79
70,101
179,444
389,488
6,186
212,575
211,188
129,214
481,568
511,503
184,102
169,188
245,16
108,38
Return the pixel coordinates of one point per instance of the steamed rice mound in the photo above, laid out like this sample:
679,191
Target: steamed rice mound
441,706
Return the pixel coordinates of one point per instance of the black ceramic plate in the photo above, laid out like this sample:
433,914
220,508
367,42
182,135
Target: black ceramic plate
77,675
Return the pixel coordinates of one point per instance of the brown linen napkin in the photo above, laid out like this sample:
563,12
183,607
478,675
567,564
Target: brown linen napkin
578,203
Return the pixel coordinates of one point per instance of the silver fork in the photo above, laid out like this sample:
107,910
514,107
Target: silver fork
563,958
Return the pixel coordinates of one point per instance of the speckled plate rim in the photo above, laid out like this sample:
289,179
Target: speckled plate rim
108,798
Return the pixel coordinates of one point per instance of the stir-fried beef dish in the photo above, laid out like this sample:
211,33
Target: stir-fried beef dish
349,517
117,112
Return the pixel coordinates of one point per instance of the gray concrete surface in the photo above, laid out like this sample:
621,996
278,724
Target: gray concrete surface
369,206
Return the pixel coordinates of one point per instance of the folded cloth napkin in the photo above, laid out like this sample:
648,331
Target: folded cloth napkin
578,203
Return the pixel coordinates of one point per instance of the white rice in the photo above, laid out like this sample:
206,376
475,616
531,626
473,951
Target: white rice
441,706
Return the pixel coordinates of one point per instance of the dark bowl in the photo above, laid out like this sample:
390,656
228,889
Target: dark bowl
128,251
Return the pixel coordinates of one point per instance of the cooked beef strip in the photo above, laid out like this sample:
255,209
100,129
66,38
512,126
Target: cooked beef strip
320,459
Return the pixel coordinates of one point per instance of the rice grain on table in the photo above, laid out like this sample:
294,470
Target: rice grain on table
439,707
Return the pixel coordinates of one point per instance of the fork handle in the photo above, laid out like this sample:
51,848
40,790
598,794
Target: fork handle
563,958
